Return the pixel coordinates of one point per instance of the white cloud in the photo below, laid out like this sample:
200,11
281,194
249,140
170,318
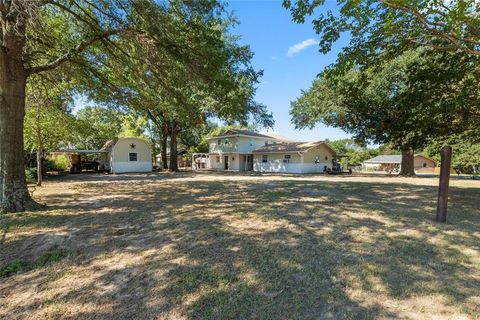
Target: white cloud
296,48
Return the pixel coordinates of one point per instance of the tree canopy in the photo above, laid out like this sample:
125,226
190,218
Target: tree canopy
406,101
392,25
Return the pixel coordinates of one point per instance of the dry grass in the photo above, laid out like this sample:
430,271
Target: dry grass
215,246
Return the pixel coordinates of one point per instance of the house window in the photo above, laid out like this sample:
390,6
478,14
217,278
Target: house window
326,158
317,160
424,165
219,142
265,158
266,143
218,158
286,158
132,156
251,142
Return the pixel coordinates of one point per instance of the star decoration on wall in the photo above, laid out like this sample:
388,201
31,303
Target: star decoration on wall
132,146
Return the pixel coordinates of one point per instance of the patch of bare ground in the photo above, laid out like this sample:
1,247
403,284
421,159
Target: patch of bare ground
242,246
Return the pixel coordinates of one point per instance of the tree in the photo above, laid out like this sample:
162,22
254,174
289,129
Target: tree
405,101
42,35
466,155
214,78
381,30
392,25
38,36
48,122
355,152
96,125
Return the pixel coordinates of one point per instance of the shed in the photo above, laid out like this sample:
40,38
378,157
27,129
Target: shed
127,155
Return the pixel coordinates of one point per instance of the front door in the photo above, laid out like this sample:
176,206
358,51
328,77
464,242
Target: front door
226,162
249,164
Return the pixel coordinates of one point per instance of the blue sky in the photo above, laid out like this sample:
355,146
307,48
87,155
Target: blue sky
269,30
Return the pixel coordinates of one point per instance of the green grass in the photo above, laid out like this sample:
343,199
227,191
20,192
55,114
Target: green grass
46,259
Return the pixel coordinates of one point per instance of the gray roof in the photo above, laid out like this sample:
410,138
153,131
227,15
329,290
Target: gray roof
108,146
289,147
244,132
391,158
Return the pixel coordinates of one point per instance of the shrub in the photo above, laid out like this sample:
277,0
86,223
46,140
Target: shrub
59,163
30,174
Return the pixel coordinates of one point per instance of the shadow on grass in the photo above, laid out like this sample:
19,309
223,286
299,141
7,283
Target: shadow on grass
257,250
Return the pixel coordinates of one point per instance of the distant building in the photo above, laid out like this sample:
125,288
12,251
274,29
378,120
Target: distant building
393,162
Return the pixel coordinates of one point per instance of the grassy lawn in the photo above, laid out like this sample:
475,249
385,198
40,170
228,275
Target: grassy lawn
213,246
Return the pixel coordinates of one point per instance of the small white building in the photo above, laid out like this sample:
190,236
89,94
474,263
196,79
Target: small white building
294,157
123,155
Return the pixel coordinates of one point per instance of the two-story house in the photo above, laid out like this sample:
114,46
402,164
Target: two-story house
233,150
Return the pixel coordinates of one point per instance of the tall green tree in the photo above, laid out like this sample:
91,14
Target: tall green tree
214,78
38,36
466,152
49,123
97,124
405,101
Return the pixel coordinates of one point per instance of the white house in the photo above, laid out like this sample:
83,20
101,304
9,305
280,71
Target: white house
233,150
122,155
294,157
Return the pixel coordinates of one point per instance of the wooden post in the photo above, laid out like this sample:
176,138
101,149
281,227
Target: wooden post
446,160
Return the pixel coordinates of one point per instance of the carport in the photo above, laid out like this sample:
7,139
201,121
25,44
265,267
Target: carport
77,164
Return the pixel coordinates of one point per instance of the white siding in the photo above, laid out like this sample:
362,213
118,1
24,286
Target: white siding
297,163
217,162
290,167
238,144
138,166
119,159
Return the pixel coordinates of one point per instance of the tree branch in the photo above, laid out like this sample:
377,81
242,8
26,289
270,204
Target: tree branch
433,28
72,53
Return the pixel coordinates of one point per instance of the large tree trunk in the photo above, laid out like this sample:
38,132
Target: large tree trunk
407,168
173,147
14,195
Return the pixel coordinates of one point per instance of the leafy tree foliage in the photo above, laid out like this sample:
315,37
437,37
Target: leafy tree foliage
405,101
181,95
465,156
392,25
90,38
356,153
48,121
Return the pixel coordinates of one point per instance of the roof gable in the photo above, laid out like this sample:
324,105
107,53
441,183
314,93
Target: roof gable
108,146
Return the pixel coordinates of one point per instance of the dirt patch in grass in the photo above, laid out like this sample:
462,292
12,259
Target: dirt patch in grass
242,246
